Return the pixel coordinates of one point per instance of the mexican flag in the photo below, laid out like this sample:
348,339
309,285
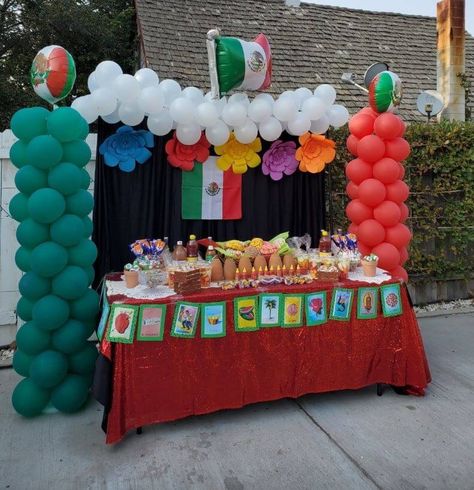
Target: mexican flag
243,65
209,193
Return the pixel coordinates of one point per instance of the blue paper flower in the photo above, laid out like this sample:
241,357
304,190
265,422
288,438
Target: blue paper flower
126,147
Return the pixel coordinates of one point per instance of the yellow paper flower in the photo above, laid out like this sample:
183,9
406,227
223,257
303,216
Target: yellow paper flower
238,155
315,152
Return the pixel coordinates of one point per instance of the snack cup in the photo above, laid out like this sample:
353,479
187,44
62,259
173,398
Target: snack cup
369,267
131,279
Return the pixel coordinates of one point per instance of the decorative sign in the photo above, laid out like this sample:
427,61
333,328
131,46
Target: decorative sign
341,305
367,303
123,319
245,314
316,308
293,310
213,320
151,323
391,300
269,310
185,320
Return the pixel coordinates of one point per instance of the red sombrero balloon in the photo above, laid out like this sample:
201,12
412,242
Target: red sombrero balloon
53,73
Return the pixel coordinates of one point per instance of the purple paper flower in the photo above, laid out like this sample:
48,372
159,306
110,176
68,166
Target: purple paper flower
280,159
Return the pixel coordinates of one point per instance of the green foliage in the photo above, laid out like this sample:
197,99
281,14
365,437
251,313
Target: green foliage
440,173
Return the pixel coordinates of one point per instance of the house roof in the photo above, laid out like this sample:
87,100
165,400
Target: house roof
311,44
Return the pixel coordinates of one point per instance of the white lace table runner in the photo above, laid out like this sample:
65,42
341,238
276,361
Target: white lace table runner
380,277
139,292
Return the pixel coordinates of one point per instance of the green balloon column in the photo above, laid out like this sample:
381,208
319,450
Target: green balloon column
56,255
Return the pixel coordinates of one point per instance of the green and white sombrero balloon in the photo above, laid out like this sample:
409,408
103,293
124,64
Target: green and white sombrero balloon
385,92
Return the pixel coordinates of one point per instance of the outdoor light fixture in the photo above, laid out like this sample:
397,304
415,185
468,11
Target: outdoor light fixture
369,75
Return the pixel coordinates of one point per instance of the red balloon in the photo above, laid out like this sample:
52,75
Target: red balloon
389,256
404,212
372,192
403,128
352,190
397,192
371,148
371,232
388,213
363,249
370,112
399,272
357,170
387,170
353,228
398,149
398,235
402,171
361,125
357,211
387,126
351,144
403,255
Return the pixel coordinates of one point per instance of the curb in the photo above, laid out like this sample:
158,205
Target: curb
455,311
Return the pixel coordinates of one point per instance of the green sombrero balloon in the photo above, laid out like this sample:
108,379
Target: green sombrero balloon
385,92
53,73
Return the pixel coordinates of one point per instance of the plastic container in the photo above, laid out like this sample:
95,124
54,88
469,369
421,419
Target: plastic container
192,248
179,252
325,243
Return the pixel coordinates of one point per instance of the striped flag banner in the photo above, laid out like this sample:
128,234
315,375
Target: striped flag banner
209,193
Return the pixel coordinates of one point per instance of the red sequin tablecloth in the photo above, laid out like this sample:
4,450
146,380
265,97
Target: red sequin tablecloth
155,382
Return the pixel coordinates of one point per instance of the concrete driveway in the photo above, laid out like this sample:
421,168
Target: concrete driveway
343,440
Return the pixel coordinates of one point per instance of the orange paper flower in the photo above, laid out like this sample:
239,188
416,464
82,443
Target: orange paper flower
238,155
315,152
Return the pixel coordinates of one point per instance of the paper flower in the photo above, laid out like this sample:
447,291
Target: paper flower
238,155
280,159
185,156
315,152
126,147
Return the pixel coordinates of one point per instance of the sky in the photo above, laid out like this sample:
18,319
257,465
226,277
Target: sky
415,7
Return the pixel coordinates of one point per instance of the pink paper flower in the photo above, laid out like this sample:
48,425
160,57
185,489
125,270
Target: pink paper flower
280,159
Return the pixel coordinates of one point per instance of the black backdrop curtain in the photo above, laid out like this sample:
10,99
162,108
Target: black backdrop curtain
147,203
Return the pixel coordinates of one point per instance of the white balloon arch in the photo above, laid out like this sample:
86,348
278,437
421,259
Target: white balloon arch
115,96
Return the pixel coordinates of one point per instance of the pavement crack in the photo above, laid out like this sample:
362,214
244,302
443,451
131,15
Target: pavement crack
348,456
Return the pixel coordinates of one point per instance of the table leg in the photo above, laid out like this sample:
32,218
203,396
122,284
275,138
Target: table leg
379,389
139,430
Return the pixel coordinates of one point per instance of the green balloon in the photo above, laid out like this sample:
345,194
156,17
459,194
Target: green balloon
88,226
49,368
30,233
90,326
29,399
32,286
18,154
77,152
83,254
32,340
50,312
48,259
46,205
80,203
85,179
71,337
24,309
30,122
68,230
44,152
65,124
23,259
29,179
66,178
84,129
86,307
71,283
83,362
21,363
71,394
90,271
18,207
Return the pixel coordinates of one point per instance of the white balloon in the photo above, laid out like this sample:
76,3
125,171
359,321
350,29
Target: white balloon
266,97
207,114
105,101
327,93
299,125
218,134
160,124
239,98
234,114
126,88
321,125
170,90
220,104
188,134
146,77
303,93
130,113
182,110
314,108
271,129
86,107
112,118
151,100
259,110
338,115
106,72
285,108
92,82
247,132
193,93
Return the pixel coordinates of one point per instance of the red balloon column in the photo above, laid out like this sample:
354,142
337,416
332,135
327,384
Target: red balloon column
377,210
